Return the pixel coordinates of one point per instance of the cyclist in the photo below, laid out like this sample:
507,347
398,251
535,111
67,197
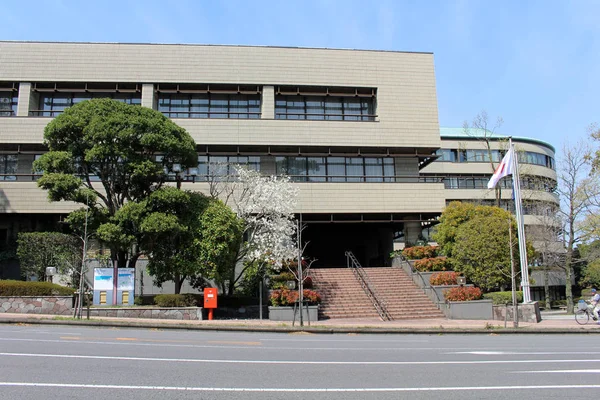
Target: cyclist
594,305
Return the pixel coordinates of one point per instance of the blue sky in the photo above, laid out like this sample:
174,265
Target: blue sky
535,63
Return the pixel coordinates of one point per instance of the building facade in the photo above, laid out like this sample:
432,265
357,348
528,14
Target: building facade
354,129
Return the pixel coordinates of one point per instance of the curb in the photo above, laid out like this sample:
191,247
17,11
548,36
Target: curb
276,329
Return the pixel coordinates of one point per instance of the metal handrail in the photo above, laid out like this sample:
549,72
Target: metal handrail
368,287
426,285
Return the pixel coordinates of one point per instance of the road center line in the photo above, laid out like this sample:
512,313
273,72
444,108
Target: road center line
233,389
212,361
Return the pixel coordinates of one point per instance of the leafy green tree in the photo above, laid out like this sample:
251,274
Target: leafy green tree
168,228
482,250
454,215
38,250
477,242
221,232
186,235
103,154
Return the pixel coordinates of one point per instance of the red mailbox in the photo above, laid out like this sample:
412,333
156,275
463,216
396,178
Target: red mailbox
210,301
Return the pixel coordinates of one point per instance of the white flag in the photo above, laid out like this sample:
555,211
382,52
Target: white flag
504,168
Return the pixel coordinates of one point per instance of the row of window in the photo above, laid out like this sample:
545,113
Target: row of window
524,157
52,104
325,108
211,105
480,182
539,208
337,169
208,105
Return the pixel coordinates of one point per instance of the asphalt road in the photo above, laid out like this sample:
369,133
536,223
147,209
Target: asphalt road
91,363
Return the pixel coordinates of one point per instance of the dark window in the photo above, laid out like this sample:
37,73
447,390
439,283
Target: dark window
52,104
209,105
8,103
328,108
336,169
8,166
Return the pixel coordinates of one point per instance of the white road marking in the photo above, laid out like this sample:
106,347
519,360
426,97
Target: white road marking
234,389
564,371
112,343
195,360
513,353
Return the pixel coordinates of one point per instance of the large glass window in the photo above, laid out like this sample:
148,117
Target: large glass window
529,157
8,166
209,105
214,167
8,103
52,104
328,108
337,169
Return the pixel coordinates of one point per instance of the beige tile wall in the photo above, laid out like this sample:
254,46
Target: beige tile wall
26,197
406,100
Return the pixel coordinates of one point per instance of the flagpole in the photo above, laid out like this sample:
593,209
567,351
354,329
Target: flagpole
520,226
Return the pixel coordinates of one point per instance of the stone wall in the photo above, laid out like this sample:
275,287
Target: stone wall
183,313
57,305
527,312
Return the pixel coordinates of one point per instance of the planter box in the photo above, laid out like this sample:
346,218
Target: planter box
287,313
476,309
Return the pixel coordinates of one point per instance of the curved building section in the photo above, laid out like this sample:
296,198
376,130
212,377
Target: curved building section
465,165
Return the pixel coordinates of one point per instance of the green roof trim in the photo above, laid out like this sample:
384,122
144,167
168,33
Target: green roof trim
459,133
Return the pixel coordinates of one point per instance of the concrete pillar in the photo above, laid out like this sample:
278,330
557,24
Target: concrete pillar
267,104
148,96
25,102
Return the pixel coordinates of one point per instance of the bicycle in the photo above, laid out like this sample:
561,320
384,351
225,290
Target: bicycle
584,313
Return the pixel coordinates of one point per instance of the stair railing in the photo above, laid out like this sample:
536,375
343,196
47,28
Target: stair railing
362,277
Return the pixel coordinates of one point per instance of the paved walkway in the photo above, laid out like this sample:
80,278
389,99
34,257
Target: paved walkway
552,322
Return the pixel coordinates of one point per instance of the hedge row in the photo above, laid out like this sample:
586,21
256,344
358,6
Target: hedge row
501,298
22,288
176,300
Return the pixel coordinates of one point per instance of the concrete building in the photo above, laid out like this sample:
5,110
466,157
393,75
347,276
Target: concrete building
353,128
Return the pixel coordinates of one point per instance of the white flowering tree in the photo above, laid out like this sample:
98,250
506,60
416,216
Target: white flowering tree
266,204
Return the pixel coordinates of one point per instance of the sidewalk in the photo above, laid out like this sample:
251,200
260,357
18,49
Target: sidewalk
552,322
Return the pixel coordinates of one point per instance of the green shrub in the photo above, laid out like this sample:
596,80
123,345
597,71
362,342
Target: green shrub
432,264
463,293
176,300
418,252
279,281
22,288
501,298
443,278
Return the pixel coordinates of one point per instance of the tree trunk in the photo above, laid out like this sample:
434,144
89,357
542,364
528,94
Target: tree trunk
568,274
178,279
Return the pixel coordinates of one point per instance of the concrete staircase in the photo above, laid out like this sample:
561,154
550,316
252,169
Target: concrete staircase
343,297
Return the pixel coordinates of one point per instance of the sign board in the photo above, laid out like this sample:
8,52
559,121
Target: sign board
103,278
126,279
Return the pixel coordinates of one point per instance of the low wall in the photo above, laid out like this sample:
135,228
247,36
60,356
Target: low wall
529,312
180,313
57,305
287,313
475,309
